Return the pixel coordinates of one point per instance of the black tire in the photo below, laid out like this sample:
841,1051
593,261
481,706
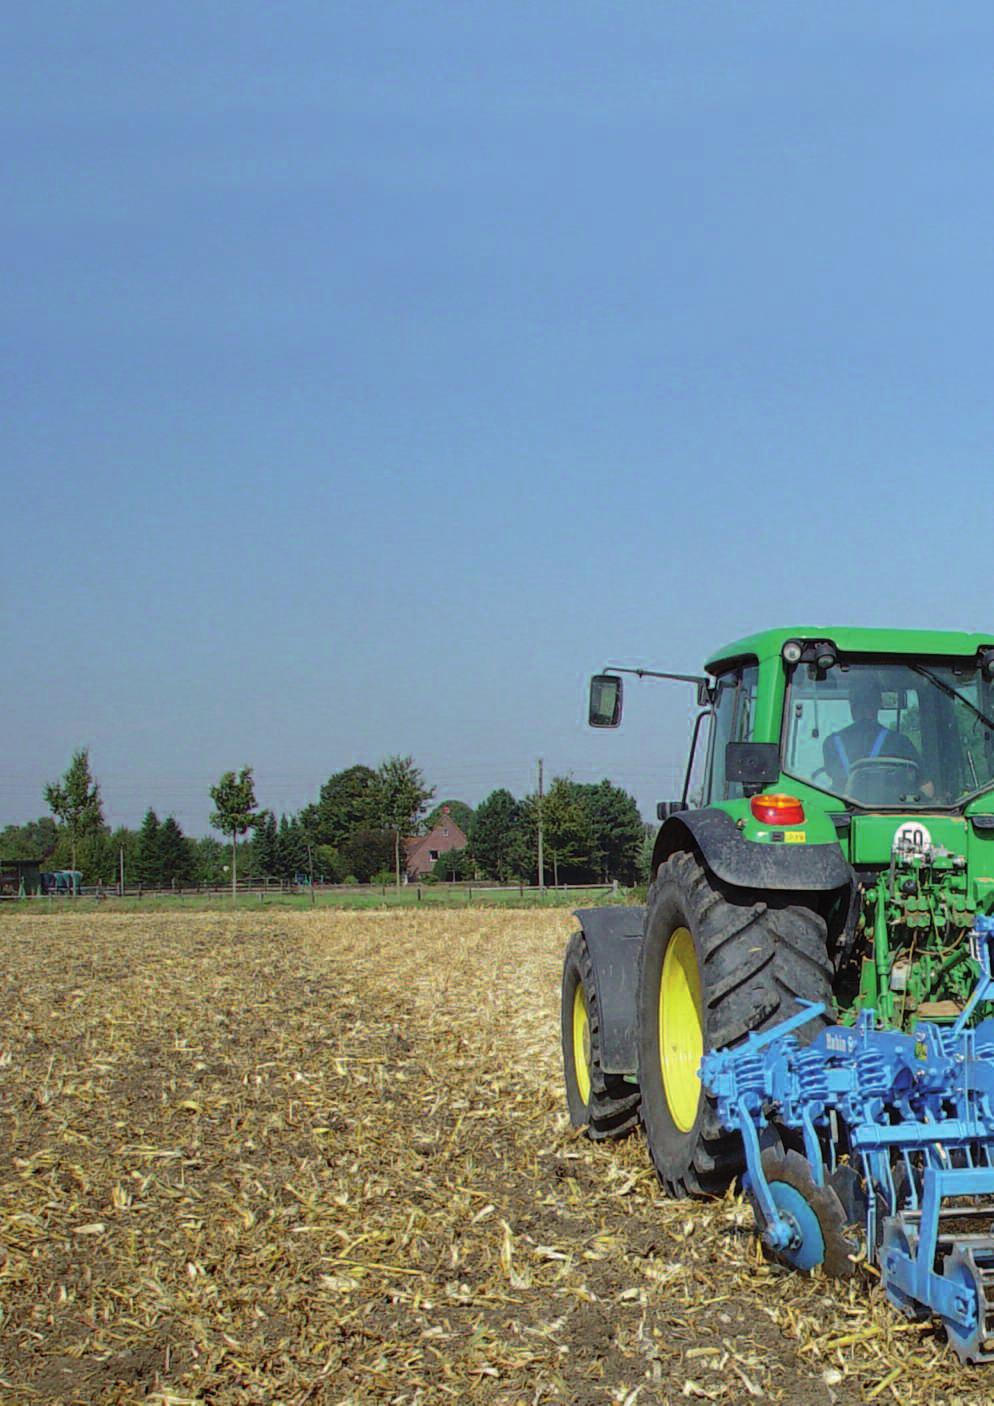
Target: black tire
611,1105
756,955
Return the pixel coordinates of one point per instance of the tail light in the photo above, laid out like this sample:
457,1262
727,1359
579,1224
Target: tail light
776,808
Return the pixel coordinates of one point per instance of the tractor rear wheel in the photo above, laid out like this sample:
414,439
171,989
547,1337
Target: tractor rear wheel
605,1104
716,963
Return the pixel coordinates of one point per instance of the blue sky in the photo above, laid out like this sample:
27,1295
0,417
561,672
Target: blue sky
374,373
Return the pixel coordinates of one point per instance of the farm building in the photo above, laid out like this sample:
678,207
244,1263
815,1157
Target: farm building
20,876
422,850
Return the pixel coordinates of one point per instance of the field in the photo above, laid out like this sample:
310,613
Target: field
286,1157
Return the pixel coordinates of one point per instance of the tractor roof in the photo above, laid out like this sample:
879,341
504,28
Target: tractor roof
853,639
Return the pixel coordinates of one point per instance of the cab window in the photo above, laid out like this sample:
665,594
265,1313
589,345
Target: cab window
735,714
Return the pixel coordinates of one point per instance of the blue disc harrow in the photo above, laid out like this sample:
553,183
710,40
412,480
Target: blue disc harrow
875,1136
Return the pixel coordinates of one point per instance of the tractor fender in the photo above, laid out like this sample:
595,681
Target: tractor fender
746,863
614,940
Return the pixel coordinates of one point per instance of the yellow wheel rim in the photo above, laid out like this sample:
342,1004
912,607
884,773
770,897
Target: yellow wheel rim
681,1029
581,1043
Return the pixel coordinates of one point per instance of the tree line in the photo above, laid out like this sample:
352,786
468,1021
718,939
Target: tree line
353,832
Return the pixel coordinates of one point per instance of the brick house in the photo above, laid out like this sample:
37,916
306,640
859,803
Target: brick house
422,850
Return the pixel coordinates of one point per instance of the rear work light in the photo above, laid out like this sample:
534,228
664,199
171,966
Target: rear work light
775,808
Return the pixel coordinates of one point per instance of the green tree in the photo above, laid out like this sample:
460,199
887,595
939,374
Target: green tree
368,852
616,828
291,849
402,794
75,802
265,845
496,837
126,842
94,857
568,834
329,866
235,812
454,865
34,840
459,811
348,801
148,869
174,854
208,857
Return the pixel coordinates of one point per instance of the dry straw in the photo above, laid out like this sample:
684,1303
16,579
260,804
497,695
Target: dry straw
322,1158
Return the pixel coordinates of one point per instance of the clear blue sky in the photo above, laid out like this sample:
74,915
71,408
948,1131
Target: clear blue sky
373,373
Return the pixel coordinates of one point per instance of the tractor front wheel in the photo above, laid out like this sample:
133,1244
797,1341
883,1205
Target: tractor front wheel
605,1104
716,963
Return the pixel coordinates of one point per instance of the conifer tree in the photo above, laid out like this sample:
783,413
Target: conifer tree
291,849
149,861
174,854
264,849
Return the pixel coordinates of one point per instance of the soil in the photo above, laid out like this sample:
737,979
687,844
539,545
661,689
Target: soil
324,1158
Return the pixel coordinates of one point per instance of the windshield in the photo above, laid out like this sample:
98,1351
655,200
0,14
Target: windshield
883,733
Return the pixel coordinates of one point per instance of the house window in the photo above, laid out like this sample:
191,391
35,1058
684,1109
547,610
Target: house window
433,854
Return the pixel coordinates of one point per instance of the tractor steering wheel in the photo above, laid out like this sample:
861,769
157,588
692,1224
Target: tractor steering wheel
882,780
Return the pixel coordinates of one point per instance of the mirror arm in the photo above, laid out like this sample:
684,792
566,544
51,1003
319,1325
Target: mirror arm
655,674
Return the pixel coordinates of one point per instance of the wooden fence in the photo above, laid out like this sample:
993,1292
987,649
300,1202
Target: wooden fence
264,888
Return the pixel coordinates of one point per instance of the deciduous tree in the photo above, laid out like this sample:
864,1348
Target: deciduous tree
207,856
368,852
235,812
124,842
453,865
568,833
75,801
349,801
458,811
34,840
495,836
403,793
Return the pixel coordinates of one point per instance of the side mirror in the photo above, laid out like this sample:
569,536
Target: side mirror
605,700
705,693
752,763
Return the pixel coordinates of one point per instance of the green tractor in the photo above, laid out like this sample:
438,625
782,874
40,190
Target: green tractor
833,844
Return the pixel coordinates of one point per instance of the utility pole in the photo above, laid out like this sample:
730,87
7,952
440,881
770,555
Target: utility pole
541,861
121,857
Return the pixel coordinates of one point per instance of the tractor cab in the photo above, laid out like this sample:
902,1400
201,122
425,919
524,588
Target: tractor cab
842,721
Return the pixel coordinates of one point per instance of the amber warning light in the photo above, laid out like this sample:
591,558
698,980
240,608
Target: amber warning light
775,808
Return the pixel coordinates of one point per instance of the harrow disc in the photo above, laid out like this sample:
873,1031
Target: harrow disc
814,1212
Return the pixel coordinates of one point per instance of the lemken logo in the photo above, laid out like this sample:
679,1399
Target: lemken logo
838,1043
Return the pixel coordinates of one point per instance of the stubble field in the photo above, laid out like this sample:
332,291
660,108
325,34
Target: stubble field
323,1158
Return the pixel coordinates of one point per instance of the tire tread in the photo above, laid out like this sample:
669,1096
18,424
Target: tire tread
762,954
613,1108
